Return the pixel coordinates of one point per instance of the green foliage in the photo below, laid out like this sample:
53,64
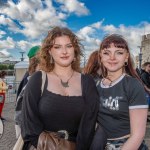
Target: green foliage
6,67
11,67
3,67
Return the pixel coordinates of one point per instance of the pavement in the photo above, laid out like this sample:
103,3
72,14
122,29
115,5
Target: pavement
8,139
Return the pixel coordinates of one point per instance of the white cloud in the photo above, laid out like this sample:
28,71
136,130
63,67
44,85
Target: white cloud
109,28
93,36
7,44
2,33
73,6
89,37
98,24
5,52
36,17
25,45
133,34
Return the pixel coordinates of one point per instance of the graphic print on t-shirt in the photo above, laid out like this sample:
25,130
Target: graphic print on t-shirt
111,103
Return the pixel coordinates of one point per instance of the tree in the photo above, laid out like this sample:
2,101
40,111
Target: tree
11,67
3,67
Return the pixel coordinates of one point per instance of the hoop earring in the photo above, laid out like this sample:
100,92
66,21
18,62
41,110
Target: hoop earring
125,63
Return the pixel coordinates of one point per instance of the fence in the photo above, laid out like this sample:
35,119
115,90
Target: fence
12,88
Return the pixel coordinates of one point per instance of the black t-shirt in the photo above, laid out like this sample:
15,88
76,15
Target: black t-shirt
115,101
53,112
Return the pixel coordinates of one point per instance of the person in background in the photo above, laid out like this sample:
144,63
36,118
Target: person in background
69,101
145,76
3,88
33,65
123,105
92,66
33,55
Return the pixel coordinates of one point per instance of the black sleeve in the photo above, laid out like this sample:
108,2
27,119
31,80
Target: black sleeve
88,121
136,95
31,126
22,84
146,79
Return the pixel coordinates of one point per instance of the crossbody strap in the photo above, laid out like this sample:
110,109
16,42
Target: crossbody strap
43,81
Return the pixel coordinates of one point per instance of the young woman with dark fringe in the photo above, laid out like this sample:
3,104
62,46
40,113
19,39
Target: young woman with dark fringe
123,105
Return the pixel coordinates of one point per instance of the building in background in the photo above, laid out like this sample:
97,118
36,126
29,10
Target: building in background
9,62
144,54
145,44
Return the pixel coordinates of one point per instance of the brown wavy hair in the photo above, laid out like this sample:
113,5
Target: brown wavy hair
33,63
49,42
118,42
92,65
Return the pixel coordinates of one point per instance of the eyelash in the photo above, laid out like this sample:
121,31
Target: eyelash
68,46
106,53
120,53
56,47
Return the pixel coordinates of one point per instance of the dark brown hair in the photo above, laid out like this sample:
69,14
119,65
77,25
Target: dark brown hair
49,42
145,64
93,64
118,42
2,74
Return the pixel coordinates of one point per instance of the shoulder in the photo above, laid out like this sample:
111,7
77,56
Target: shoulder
132,81
144,74
36,75
35,78
134,85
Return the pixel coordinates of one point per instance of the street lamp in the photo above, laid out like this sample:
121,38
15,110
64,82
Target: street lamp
22,58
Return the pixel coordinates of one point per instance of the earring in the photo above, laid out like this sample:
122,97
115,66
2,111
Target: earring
125,63
51,60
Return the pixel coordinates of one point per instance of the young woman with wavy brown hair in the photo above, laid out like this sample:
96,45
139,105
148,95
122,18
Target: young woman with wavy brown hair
69,103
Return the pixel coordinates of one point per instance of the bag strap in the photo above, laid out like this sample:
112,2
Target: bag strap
43,81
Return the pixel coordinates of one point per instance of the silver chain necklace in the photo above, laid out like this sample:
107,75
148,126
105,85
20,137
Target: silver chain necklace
63,83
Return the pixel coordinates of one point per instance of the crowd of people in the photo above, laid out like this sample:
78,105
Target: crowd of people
102,106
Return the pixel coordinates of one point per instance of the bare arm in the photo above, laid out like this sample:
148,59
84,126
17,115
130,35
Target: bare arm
4,88
138,119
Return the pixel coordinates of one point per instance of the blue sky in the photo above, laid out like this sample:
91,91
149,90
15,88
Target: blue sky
25,23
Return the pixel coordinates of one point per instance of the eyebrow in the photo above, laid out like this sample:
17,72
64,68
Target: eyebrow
61,45
115,50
